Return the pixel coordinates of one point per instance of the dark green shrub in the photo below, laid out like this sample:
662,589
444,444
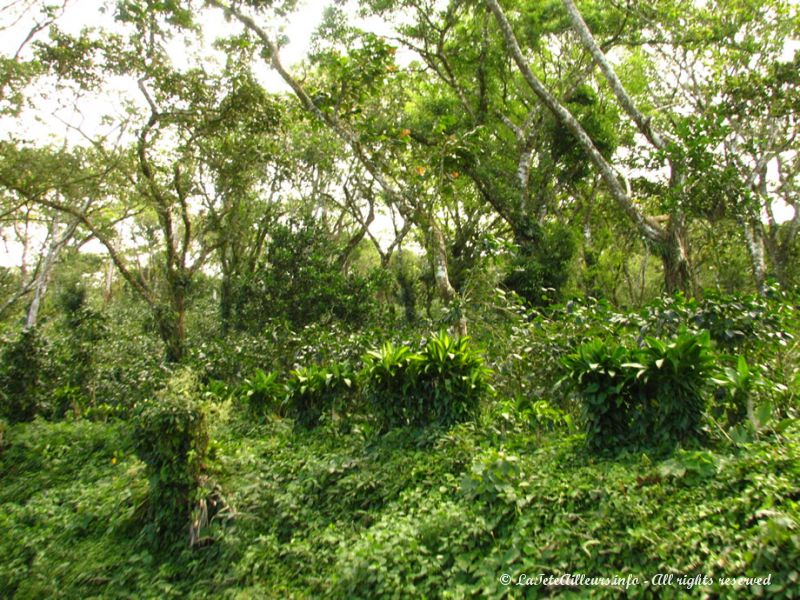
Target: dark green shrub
451,381
740,389
313,391
671,385
648,396
262,393
442,385
302,281
540,269
171,438
21,366
390,380
608,403
80,333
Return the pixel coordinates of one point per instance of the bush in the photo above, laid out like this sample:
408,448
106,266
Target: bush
262,393
312,391
671,384
540,268
389,382
21,366
441,385
171,438
451,381
302,281
642,396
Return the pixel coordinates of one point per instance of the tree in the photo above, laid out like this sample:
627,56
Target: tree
357,79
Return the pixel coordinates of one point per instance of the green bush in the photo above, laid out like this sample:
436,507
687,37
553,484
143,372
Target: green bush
604,383
313,391
21,366
672,383
443,384
648,396
262,393
390,379
540,268
171,438
451,381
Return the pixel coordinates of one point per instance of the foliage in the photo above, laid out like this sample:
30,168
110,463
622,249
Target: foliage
742,389
82,331
21,366
301,280
312,392
423,515
171,438
450,381
541,267
443,384
389,381
262,393
653,395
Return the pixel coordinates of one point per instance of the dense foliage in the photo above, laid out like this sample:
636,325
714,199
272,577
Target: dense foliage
487,299
642,396
170,436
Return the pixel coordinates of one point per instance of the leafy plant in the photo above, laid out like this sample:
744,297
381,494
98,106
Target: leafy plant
21,366
442,384
603,378
312,391
389,375
170,436
671,383
740,387
262,392
450,381
642,396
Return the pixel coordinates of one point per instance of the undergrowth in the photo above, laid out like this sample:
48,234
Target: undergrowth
414,513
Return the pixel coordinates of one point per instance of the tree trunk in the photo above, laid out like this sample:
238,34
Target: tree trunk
109,282
675,255
754,238
46,268
440,273
172,323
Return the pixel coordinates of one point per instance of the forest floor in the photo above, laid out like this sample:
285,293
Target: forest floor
475,511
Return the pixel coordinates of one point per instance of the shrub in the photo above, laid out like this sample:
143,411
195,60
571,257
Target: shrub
442,385
390,381
739,389
262,393
541,266
642,396
451,381
671,384
171,438
603,380
302,281
21,366
312,391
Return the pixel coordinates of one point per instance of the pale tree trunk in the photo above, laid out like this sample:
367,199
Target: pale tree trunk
108,282
753,235
42,280
674,241
643,224
440,273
